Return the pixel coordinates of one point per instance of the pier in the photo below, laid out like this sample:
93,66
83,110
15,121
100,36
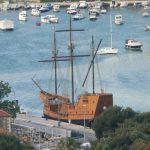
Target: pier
36,130
68,3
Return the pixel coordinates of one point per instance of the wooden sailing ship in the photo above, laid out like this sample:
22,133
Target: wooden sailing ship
88,106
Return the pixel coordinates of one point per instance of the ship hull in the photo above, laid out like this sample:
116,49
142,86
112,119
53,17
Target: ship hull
87,123
83,112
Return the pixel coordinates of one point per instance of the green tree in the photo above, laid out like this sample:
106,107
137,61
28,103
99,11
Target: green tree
5,89
12,106
110,119
68,144
131,128
140,145
10,142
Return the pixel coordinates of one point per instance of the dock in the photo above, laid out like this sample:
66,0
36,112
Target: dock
35,130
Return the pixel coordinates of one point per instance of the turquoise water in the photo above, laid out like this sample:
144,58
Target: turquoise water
126,75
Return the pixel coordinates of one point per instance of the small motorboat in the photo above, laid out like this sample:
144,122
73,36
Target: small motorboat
46,7
133,44
93,17
118,19
103,11
147,28
146,14
23,15
94,10
45,19
49,19
56,7
72,11
78,16
6,24
35,12
53,19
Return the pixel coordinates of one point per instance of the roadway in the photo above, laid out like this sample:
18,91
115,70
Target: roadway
51,127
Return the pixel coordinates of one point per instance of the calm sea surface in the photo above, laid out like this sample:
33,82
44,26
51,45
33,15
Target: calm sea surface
126,75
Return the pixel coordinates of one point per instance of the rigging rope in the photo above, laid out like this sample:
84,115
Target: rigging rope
99,74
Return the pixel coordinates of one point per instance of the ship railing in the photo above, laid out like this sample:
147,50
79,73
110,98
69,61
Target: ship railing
54,96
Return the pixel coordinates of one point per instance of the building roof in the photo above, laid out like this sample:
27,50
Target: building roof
3,131
4,113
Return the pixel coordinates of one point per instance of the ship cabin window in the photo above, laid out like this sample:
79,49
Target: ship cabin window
85,101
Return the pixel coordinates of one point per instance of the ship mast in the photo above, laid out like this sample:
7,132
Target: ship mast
54,51
71,47
93,66
55,62
92,63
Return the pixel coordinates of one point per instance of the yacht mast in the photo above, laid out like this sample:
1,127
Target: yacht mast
110,32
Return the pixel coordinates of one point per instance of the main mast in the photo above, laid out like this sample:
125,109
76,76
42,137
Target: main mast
71,47
93,76
55,62
72,63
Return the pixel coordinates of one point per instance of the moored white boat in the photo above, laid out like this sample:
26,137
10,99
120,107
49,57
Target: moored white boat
133,44
35,12
147,28
72,11
78,16
93,17
111,49
103,11
45,19
146,14
56,7
73,6
147,8
118,19
46,7
23,15
6,24
53,19
94,10
107,50
49,19
83,4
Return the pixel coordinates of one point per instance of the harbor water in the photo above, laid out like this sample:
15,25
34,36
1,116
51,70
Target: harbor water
126,75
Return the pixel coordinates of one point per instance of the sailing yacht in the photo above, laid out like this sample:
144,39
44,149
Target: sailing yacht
88,106
111,49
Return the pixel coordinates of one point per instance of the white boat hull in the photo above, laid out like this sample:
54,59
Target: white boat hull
133,44
107,50
6,25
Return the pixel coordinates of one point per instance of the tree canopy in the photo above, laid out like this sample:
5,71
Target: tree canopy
11,106
10,142
122,129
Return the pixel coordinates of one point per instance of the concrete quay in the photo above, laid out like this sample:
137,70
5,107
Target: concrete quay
52,127
67,3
